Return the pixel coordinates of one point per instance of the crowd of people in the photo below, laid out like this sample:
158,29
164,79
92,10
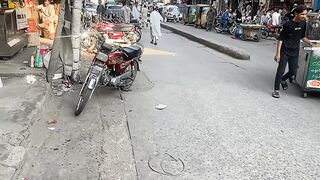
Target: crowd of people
244,14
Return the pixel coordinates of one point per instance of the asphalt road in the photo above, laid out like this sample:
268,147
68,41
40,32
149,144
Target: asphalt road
220,123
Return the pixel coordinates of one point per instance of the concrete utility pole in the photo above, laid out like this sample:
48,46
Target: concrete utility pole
76,30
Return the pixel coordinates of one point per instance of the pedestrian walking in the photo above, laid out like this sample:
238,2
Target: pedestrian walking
100,9
288,46
126,13
155,30
145,16
135,13
275,18
211,16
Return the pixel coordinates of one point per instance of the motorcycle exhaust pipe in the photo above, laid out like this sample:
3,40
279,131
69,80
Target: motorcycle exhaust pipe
116,81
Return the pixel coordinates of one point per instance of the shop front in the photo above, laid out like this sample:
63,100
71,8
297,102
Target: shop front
25,24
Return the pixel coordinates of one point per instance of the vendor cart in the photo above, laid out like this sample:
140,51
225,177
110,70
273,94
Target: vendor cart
250,32
308,72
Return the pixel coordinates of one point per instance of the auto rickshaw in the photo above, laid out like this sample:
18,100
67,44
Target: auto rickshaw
201,15
189,17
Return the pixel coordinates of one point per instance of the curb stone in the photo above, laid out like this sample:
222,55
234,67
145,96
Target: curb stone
229,50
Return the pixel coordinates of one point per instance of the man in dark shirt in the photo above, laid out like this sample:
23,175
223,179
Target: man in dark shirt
288,46
100,9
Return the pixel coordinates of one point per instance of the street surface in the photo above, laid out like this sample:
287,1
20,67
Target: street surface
220,122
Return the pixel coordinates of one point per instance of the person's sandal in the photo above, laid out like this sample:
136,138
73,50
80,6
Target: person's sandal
284,85
276,94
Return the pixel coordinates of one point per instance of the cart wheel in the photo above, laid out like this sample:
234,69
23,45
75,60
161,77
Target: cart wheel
305,95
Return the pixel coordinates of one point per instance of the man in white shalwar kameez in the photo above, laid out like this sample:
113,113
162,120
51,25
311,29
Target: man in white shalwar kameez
145,16
155,30
135,13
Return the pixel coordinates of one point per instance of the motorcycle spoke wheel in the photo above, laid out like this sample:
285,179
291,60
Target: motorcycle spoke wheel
129,81
138,35
264,34
83,99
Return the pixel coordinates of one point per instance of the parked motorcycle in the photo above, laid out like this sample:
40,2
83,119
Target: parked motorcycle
270,31
231,27
113,67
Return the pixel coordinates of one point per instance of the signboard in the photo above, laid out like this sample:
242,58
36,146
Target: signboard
313,77
21,17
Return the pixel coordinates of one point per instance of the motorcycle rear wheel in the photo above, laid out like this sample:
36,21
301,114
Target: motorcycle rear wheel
138,33
128,82
83,99
264,34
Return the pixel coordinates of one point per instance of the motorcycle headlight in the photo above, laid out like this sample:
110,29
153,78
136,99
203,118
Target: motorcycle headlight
102,57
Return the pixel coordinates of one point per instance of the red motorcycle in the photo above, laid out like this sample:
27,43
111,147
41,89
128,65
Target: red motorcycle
112,66
270,31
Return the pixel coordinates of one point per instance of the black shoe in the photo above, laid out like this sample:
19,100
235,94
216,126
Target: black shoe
155,43
276,94
151,42
284,85
291,80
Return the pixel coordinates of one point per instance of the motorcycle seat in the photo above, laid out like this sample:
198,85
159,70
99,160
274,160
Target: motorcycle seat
106,46
132,52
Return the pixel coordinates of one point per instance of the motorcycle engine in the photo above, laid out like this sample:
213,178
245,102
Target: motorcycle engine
105,78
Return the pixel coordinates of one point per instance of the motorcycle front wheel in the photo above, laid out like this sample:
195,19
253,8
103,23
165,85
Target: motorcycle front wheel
84,98
264,34
138,34
233,30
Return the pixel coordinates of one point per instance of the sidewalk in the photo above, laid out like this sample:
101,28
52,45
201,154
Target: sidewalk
20,103
243,50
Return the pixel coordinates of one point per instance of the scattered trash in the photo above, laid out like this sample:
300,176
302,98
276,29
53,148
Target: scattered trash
25,178
25,62
32,61
61,88
161,106
51,128
55,149
31,79
22,68
46,59
130,110
166,164
57,92
53,121
1,84
57,76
